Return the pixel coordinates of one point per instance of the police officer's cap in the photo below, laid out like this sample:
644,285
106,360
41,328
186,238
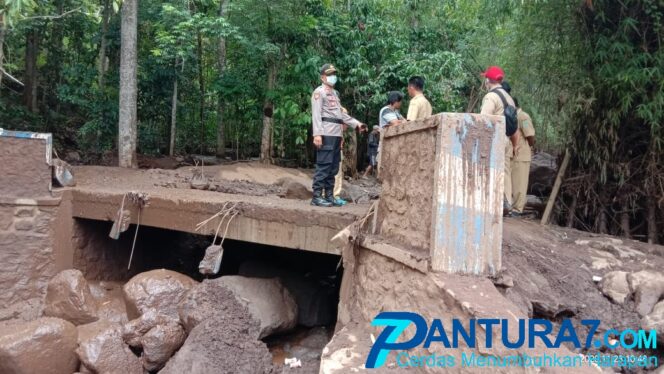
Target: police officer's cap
328,69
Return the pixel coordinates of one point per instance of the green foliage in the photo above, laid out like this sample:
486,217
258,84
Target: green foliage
13,10
590,74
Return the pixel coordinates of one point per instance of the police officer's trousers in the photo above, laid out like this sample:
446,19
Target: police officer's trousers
328,157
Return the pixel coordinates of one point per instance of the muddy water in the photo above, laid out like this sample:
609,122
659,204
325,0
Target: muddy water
305,344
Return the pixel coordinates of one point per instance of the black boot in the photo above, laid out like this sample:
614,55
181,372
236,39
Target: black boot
318,200
507,208
329,196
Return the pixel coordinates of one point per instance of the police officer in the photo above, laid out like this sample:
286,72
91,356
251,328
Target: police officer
327,120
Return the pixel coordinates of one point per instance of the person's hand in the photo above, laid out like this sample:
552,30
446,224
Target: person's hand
318,141
342,142
363,127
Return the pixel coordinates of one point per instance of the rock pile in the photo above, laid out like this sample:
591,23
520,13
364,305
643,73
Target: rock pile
176,325
646,287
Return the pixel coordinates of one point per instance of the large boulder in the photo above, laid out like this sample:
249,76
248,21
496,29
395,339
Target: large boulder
90,330
68,297
45,345
105,352
133,331
647,295
157,335
316,298
160,343
268,301
203,301
644,276
224,340
156,289
614,286
655,320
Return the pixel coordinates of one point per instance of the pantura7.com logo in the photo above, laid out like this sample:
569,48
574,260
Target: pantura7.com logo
531,333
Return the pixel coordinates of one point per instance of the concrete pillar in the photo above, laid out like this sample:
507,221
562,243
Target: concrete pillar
442,190
29,257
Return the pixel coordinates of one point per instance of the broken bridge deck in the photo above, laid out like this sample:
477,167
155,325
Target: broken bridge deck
267,220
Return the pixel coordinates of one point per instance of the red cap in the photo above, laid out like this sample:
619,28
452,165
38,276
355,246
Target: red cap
494,73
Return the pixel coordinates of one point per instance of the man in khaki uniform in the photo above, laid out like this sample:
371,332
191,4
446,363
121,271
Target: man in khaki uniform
492,104
419,106
521,160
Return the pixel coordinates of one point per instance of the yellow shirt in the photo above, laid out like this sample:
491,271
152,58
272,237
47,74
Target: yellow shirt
526,129
418,108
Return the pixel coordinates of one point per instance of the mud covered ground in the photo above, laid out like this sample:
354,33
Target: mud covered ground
552,270
239,178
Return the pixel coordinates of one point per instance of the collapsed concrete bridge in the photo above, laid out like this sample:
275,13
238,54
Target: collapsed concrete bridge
439,214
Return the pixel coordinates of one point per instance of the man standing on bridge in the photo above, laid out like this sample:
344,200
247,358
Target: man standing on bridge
327,120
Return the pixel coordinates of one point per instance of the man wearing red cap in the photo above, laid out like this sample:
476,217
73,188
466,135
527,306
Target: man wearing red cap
493,104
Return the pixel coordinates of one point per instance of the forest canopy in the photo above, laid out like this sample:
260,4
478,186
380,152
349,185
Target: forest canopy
234,78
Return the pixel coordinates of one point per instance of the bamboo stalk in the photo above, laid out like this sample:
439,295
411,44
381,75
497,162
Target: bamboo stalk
556,189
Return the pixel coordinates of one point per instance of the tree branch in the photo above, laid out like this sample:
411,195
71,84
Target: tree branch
4,72
65,14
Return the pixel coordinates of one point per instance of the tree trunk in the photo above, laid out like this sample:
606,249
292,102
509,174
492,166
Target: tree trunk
30,80
221,67
652,222
128,85
174,112
556,187
52,70
603,224
201,87
624,220
350,155
2,47
571,213
101,63
268,121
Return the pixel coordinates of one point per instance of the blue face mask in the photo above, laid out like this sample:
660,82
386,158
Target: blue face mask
332,79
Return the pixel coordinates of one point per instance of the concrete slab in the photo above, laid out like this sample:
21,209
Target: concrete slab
263,219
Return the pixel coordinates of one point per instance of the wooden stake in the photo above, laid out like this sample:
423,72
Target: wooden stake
556,188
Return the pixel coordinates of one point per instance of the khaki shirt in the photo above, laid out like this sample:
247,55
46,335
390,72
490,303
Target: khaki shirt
526,129
492,105
325,104
418,108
